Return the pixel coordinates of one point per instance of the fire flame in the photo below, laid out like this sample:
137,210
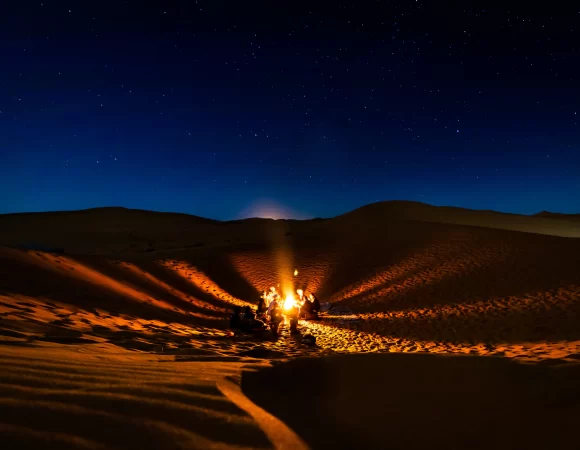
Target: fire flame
295,272
287,302
290,301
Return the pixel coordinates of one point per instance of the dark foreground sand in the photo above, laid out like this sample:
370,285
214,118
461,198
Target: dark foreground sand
54,396
404,401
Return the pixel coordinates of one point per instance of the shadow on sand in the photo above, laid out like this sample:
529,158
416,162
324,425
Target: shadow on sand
403,401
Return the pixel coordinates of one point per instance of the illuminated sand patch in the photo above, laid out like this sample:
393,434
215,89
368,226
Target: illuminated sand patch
203,282
262,271
422,272
85,273
175,292
259,268
537,326
390,274
31,321
104,398
342,337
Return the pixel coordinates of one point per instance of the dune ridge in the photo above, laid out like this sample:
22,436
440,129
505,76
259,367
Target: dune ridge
133,313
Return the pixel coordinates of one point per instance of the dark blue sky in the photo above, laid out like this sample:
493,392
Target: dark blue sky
213,107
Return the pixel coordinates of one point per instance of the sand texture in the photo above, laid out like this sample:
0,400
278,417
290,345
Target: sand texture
113,330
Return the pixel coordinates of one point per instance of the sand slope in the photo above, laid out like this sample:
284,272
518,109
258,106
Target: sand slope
100,397
413,285
542,223
148,294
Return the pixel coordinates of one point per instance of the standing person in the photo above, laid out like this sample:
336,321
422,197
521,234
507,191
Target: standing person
271,306
261,307
315,304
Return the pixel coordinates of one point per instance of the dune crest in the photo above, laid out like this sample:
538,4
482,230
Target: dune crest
123,322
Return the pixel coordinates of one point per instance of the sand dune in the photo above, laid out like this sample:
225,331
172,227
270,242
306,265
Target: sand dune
551,215
99,397
128,319
121,231
542,223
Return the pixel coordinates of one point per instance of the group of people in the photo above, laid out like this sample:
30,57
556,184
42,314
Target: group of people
271,309
245,321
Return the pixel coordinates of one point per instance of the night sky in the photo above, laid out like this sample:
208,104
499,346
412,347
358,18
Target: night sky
219,108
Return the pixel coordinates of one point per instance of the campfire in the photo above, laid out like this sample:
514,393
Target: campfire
287,301
289,305
290,302
285,297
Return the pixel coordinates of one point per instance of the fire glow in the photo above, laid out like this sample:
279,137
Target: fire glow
290,301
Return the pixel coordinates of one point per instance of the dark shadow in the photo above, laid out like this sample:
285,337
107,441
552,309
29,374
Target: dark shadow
420,401
67,340
263,353
12,333
186,358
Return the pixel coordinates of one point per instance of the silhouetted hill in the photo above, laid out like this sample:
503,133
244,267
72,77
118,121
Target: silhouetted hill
559,216
422,212
118,230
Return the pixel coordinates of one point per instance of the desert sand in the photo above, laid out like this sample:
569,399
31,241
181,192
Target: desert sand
447,327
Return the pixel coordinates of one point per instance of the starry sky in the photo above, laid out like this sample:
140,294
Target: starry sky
228,109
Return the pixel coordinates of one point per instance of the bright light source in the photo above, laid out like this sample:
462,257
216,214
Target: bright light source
290,301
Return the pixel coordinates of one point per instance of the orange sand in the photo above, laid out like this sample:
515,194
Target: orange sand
119,330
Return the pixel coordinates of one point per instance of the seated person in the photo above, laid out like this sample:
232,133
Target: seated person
235,321
261,306
248,314
274,315
306,309
315,304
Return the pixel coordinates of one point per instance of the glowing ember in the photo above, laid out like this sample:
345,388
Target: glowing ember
295,272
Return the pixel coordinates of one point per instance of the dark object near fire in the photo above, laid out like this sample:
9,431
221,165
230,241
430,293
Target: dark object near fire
245,324
308,339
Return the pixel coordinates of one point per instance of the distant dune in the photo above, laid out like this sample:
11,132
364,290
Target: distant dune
118,230
542,223
551,215
113,323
